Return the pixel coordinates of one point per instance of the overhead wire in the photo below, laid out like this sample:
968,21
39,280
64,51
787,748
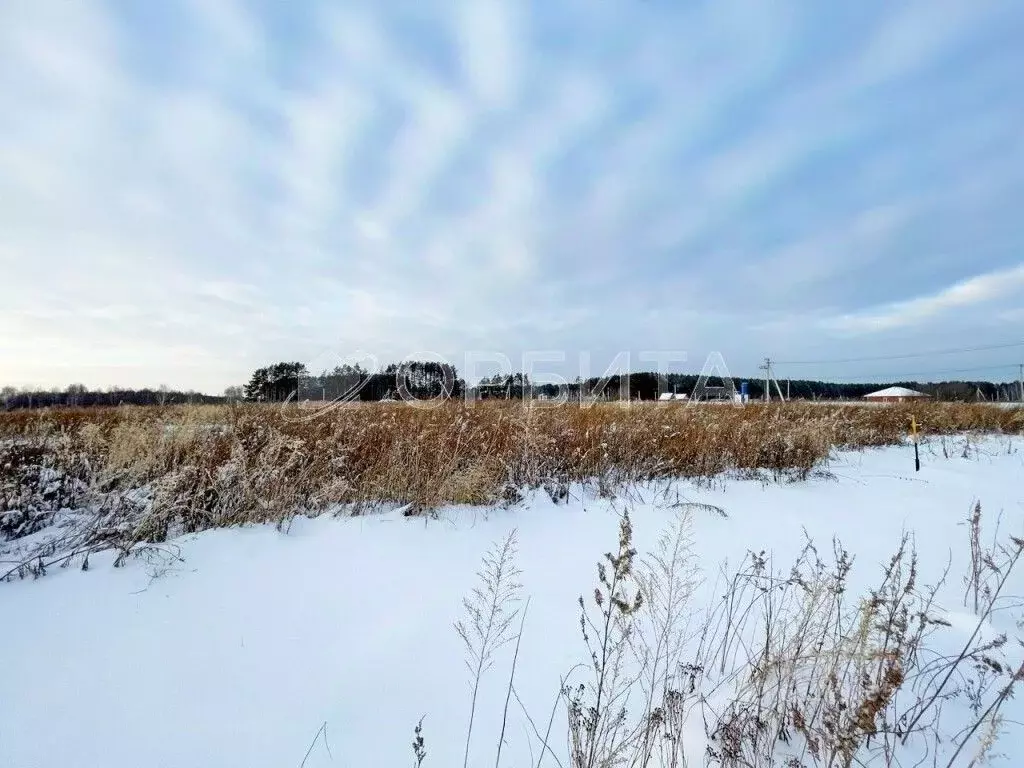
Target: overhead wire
907,356
1006,366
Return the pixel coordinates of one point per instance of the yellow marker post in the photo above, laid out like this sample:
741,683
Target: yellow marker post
913,432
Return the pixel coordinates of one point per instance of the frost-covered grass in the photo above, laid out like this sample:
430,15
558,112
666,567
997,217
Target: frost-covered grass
127,476
236,647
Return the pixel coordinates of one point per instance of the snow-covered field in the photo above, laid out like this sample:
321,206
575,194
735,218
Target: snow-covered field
234,647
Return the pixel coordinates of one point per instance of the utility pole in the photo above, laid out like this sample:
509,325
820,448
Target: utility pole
770,379
1020,381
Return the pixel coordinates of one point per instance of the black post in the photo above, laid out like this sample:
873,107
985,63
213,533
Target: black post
913,432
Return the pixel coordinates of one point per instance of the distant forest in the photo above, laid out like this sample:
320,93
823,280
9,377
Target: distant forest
79,396
427,379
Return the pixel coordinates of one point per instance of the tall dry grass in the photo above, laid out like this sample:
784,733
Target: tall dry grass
792,664
148,473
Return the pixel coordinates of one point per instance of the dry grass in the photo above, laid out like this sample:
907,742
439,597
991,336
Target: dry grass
158,471
790,665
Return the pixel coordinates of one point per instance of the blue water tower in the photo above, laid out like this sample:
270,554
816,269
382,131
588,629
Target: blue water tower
744,388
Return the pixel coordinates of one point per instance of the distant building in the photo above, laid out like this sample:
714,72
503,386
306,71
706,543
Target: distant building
894,395
665,396
714,394
502,391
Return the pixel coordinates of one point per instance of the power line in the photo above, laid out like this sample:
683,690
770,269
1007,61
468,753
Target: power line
933,373
907,356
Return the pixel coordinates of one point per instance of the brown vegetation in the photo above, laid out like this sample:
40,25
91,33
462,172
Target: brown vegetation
152,472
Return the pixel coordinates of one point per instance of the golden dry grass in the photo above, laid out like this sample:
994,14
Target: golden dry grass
208,466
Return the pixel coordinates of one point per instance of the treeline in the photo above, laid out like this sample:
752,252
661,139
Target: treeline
415,379
649,386
963,391
284,381
79,396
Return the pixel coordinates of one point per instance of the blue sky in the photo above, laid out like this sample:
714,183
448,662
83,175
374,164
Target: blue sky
192,188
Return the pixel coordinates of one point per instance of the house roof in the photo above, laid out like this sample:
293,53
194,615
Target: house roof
896,392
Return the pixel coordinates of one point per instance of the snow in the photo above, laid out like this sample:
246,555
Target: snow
233,647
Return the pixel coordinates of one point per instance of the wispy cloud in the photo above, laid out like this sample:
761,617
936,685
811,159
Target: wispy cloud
232,183
980,291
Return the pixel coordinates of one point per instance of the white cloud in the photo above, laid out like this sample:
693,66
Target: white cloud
790,273
229,25
439,123
916,34
322,129
490,38
472,173
230,292
972,292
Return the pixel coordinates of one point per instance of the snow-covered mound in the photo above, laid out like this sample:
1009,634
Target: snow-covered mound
234,647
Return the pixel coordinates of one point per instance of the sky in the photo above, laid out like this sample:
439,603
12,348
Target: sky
191,189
